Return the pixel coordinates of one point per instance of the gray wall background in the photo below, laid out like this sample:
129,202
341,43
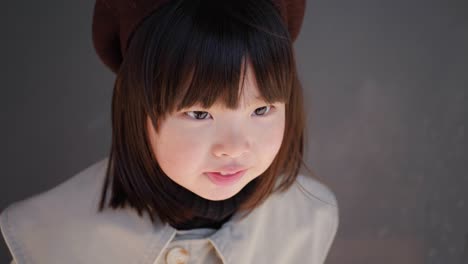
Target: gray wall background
386,87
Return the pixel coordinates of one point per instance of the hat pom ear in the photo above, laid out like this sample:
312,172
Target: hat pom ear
105,35
295,10
292,12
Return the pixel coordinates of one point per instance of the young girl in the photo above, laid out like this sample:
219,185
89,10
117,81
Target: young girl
208,131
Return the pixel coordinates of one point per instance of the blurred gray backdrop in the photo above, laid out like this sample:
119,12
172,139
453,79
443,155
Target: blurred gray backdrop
386,86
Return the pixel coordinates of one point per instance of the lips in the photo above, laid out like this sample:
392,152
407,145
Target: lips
232,169
226,172
224,180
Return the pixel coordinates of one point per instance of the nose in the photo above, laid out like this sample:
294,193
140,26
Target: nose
233,144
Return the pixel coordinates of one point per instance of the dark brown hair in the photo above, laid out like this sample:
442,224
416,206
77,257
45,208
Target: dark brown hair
189,52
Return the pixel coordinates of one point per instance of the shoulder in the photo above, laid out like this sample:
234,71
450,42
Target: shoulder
318,214
319,202
307,199
316,190
305,216
29,220
310,205
64,225
85,183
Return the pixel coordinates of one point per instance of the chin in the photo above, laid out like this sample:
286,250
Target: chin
219,196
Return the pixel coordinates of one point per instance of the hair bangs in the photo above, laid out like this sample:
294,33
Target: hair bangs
206,61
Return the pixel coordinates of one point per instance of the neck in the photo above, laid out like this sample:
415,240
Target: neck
206,213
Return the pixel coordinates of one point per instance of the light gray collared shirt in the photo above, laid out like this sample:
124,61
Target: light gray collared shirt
62,225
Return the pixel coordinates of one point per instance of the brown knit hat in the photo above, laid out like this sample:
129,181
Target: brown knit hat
115,20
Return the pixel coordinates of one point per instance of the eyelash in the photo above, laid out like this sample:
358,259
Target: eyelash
270,110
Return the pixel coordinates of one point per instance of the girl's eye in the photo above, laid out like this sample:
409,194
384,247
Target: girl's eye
262,108
197,114
200,115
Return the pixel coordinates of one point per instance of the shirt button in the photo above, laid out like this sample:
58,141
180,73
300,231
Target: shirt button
177,255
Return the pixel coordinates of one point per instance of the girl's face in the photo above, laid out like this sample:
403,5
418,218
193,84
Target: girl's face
195,141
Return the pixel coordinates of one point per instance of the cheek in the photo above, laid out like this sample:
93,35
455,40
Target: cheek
271,138
175,150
